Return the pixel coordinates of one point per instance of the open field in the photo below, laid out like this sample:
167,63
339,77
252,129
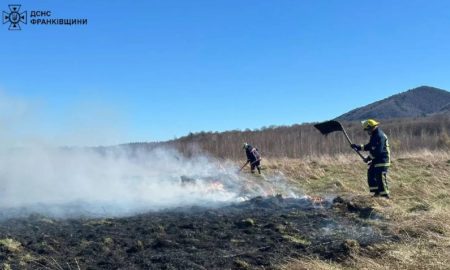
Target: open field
418,212
347,230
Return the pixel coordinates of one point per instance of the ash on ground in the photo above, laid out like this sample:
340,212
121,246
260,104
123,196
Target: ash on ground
260,233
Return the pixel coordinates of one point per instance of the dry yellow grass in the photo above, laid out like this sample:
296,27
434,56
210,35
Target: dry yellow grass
10,245
418,212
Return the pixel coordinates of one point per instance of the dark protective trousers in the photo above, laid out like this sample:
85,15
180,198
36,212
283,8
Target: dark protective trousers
377,180
256,164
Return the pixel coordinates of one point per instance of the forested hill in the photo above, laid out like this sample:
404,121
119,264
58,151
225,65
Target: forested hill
417,102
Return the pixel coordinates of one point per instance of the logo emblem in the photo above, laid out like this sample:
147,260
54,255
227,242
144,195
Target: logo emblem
14,17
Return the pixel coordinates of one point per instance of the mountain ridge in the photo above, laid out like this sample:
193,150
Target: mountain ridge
416,102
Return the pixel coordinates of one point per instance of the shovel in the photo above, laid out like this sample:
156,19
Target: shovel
247,163
331,126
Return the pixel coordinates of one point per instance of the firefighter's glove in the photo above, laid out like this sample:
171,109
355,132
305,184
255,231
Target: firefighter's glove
367,159
356,147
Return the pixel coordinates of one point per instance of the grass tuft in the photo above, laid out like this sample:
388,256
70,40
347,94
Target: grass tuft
10,245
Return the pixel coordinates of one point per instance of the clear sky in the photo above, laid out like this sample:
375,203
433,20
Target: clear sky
152,70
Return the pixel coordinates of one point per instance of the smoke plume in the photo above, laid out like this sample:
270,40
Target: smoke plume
117,181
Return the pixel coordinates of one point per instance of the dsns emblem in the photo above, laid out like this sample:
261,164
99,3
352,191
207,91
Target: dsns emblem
14,17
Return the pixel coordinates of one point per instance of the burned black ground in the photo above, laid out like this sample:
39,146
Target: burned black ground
260,233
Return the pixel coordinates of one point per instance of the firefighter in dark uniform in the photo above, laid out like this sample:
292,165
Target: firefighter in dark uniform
378,159
253,157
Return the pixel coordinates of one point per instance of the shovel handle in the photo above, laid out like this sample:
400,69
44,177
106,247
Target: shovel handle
350,142
243,166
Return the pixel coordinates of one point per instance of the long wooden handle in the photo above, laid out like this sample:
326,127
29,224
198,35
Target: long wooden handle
350,142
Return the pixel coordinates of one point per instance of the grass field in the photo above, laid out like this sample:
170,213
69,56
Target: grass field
418,211
351,229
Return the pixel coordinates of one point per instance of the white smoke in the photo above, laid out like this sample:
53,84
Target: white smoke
38,177
116,181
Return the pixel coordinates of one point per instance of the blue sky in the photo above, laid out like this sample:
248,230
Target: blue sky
153,70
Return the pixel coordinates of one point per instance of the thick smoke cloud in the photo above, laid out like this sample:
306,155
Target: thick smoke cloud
116,181
36,175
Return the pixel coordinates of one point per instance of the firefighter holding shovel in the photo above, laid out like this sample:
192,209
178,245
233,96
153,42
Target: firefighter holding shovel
378,159
253,157
379,155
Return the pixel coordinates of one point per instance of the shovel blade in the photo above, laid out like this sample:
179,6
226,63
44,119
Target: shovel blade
328,127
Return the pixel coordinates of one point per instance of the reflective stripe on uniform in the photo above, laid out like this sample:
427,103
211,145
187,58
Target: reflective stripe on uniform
385,184
382,164
388,150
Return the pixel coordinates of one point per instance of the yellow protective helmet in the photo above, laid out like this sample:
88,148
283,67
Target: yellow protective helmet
369,124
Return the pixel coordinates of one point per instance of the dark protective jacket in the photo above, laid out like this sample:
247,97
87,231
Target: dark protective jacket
378,148
252,154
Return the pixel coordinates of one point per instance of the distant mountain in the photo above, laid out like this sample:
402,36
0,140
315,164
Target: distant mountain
420,101
445,109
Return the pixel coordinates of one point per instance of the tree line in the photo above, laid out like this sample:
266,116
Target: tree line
299,141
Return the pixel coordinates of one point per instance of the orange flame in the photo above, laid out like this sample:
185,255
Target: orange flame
215,186
315,199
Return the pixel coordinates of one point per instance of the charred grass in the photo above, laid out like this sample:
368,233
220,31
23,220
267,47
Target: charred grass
261,233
